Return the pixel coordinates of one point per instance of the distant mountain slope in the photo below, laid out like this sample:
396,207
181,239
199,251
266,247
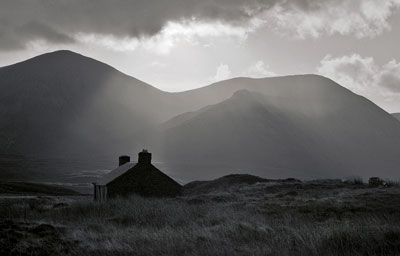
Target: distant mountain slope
63,103
302,87
396,115
221,184
310,131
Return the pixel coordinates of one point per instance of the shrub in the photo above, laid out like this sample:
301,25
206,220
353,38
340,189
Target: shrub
354,180
376,182
392,183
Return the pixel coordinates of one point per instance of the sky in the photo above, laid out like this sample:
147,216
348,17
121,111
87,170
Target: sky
176,45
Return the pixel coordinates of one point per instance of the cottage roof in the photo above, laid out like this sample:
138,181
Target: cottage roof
115,173
143,179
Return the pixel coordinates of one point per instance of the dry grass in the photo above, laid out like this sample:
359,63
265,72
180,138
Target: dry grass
271,218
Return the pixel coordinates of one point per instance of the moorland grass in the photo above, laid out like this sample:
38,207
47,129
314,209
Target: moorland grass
309,221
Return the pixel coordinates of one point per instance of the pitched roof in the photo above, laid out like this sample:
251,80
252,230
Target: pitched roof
115,173
143,179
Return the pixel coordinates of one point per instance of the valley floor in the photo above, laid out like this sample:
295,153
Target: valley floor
285,217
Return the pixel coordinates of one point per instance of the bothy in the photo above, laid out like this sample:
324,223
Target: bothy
143,179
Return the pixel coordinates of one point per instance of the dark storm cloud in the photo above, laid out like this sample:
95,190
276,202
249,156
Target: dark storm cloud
15,37
36,29
59,20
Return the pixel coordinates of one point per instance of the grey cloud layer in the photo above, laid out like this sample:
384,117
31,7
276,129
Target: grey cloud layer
57,21
15,37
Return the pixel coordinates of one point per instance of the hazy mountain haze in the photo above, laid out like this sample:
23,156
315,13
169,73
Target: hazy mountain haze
336,133
65,104
62,103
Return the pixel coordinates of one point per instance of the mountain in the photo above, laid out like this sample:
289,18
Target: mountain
63,104
314,129
396,115
222,184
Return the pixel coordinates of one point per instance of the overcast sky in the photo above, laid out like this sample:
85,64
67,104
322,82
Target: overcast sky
177,45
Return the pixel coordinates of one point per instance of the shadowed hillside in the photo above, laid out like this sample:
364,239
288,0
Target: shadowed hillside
63,104
317,129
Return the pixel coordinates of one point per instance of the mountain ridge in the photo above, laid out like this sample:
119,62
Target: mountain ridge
63,89
266,133
64,103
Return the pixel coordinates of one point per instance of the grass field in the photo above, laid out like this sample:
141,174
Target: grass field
229,216
29,189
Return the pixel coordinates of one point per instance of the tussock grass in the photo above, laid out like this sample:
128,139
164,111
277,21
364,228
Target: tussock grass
355,180
393,183
308,219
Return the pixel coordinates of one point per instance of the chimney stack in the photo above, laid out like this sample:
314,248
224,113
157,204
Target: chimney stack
144,157
124,160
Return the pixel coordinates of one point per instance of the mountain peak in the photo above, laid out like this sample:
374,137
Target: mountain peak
248,96
59,60
242,93
62,52
64,56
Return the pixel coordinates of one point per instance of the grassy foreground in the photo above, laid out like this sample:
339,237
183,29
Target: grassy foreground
25,188
240,218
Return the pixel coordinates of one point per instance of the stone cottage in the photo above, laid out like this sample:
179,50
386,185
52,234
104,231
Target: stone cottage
142,178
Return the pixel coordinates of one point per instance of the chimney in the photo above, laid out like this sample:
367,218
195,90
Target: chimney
144,157
124,160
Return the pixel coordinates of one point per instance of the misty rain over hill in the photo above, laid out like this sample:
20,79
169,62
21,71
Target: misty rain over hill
63,104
